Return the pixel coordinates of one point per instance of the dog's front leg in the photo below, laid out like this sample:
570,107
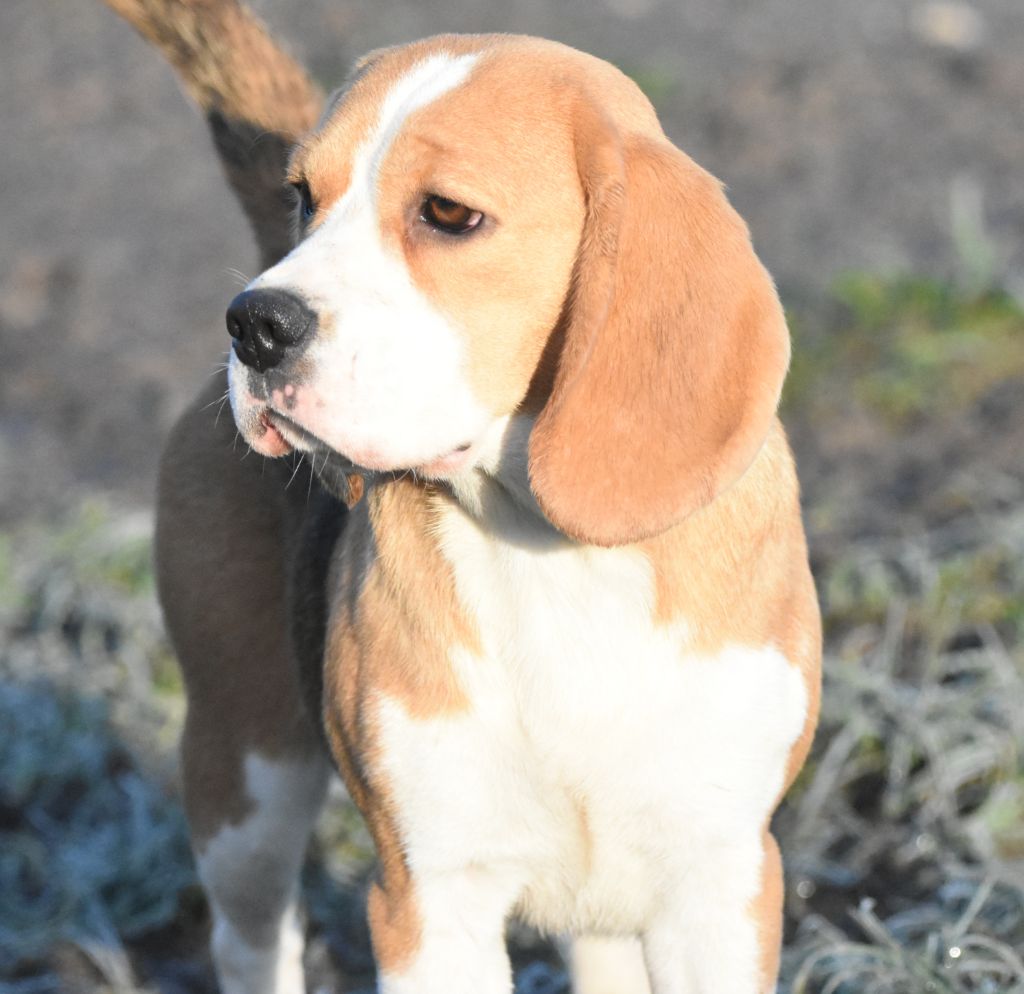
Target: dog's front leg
720,933
442,933
607,965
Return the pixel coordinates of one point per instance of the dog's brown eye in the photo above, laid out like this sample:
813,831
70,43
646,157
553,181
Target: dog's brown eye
449,215
306,206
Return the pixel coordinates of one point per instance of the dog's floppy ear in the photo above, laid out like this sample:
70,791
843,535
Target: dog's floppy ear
673,352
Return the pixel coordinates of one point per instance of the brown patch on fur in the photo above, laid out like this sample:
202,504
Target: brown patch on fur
736,573
394,622
397,613
396,927
356,486
258,100
224,602
675,347
766,910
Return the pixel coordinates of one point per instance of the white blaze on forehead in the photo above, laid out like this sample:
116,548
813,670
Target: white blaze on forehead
422,85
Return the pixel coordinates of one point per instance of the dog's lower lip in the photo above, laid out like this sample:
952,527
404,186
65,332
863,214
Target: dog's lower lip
295,432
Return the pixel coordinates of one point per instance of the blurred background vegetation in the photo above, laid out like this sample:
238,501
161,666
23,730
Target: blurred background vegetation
875,149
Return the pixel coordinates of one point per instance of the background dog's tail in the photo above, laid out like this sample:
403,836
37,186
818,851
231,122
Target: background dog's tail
258,101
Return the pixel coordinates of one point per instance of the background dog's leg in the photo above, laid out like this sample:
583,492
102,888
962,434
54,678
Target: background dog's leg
250,871
254,764
722,933
607,965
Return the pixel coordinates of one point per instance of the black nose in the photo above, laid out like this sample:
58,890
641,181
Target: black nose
265,324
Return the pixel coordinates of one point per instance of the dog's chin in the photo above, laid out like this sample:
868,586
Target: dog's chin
452,463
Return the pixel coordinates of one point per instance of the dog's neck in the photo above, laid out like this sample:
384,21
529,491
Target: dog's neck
494,494
496,491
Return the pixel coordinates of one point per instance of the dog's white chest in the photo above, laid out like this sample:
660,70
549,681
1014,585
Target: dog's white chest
595,747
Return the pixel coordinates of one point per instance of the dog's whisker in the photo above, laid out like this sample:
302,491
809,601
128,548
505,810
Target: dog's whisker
327,459
238,276
220,410
223,364
217,400
295,472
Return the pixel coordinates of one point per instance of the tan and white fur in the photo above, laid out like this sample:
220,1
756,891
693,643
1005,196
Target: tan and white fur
565,643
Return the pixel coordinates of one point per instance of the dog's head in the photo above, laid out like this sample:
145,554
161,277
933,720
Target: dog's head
494,228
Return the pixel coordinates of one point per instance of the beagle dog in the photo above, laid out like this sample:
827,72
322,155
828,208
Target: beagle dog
539,586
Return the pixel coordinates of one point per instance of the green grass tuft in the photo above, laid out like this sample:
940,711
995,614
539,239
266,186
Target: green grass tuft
905,348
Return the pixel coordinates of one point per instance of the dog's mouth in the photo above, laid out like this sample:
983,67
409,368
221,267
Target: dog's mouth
292,433
283,432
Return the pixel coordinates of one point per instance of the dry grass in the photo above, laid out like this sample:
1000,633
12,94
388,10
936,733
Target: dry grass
905,835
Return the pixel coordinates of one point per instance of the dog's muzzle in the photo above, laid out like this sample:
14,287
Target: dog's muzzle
266,324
